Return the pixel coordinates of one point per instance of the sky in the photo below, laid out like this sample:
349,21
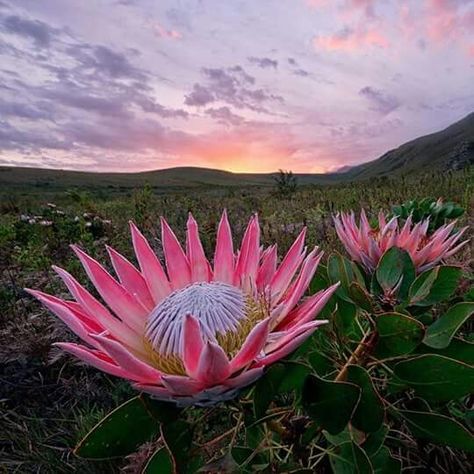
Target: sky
252,86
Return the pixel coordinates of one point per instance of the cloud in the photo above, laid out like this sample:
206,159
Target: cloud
301,72
380,101
233,86
41,33
162,32
200,95
367,7
438,23
264,63
37,111
351,39
225,116
102,60
82,96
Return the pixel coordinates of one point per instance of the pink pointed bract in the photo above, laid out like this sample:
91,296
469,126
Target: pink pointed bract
366,245
189,331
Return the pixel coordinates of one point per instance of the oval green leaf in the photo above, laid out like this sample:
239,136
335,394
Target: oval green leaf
435,285
398,334
439,429
440,333
120,432
342,270
396,266
458,349
350,458
330,404
177,437
383,463
369,413
436,377
160,461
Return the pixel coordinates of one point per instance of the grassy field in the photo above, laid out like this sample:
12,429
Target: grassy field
47,400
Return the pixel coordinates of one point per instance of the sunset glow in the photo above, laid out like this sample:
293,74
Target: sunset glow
306,85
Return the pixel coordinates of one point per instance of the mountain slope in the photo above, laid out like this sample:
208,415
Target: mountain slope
450,148
25,179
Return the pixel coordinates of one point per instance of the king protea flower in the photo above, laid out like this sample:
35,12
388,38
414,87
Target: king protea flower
195,333
366,245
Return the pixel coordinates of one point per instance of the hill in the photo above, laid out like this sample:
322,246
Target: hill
451,148
18,179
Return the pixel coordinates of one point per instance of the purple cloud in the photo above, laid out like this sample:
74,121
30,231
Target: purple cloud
225,116
41,33
379,100
232,86
264,63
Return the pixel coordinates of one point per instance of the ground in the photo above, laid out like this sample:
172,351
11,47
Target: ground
48,400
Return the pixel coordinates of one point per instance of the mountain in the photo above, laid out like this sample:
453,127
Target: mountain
451,148
49,180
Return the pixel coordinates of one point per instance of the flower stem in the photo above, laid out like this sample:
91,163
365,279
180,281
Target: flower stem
361,352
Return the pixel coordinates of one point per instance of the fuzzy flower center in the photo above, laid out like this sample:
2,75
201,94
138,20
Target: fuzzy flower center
226,316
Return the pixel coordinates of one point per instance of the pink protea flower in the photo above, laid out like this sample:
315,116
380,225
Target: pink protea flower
194,334
366,245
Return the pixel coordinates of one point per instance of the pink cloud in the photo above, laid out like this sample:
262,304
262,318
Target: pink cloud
317,3
162,32
442,19
438,23
366,6
350,39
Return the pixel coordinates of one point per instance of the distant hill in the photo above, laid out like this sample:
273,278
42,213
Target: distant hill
23,179
451,148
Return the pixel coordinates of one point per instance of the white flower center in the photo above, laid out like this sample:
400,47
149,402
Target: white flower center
217,306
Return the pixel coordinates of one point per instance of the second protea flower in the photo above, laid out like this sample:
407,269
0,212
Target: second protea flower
366,244
193,333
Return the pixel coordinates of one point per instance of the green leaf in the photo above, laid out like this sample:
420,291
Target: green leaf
458,349
177,437
120,432
164,412
369,413
330,404
360,296
266,389
439,429
343,270
398,334
436,377
446,282
319,281
440,333
383,463
279,378
320,363
421,287
345,322
395,266
295,374
160,461
435,285
375,440
350,458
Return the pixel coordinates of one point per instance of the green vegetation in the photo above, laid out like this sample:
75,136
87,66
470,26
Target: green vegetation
49,401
